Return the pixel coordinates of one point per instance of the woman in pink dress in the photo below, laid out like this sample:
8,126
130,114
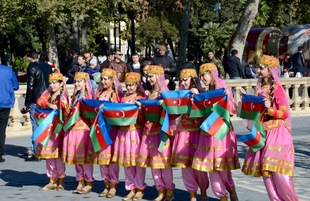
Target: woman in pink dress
218,157
127,142
186,141
149,156
77,140
55,96
109,89
275,161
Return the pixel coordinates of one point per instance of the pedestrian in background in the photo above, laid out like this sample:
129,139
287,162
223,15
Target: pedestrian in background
8,85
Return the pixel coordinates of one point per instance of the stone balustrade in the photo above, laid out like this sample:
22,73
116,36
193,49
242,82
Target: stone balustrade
296,88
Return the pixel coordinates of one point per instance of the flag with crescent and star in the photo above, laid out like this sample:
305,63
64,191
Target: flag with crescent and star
177,102
90,107
99,133
46,127
120,114
253,108
151,109
166,131
203,102
218,122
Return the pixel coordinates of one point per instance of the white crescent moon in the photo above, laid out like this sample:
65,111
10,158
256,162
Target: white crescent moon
96,127
204,103
123,113
252,106
96,109
73,109
40,115
179,100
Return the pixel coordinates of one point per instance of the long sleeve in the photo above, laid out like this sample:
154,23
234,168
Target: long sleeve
15,82
279,109
30,85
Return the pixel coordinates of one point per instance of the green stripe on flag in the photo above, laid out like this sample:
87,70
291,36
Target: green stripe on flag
121,121
245,114
178,109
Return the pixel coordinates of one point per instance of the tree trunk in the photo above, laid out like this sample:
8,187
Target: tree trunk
84,29
244,25
72,35
52,44
183,36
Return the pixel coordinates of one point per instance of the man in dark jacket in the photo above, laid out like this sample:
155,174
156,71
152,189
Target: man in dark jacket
233,66
299,63
8,85
37,83
165,61
134,66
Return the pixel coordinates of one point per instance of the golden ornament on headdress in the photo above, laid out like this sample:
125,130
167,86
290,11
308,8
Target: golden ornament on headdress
270,61
132,77
207,67
108,72
81,75
155,70
188,73
55,77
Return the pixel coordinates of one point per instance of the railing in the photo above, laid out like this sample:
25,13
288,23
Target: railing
296,88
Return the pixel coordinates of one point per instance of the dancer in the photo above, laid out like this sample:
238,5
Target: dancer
55,96
109,89
218,157
275,161
77,140
127,143
149,156
186,141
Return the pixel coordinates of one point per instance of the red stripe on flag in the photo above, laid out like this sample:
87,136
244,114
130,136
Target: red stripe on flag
206,103
177,101
120,113
256,107
87,108
151,109
224,104
216,126
44,134
40,115
254,141
100,138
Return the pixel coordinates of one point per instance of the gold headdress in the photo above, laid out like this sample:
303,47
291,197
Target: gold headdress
270,61
108,72
132,77
81,75
207,67
155,70
185,73
55,77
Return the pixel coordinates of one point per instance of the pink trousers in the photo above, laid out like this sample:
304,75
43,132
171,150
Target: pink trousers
55,168
194,179
221,182
109,173
163,179
280,187
134,178
84,171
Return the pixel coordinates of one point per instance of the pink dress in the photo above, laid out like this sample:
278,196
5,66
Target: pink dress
109,170
126,149
218,157
278,153
55,168
185,144
76,149
275,161
149,156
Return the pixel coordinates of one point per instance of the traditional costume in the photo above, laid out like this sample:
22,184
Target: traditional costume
77,140
109,170
185,144
149,156
218,157
55,168
275,161
127,144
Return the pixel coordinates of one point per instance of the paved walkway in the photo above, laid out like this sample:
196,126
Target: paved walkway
21,180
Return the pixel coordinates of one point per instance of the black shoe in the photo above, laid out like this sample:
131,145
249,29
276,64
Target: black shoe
32,158
27,154
1,159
